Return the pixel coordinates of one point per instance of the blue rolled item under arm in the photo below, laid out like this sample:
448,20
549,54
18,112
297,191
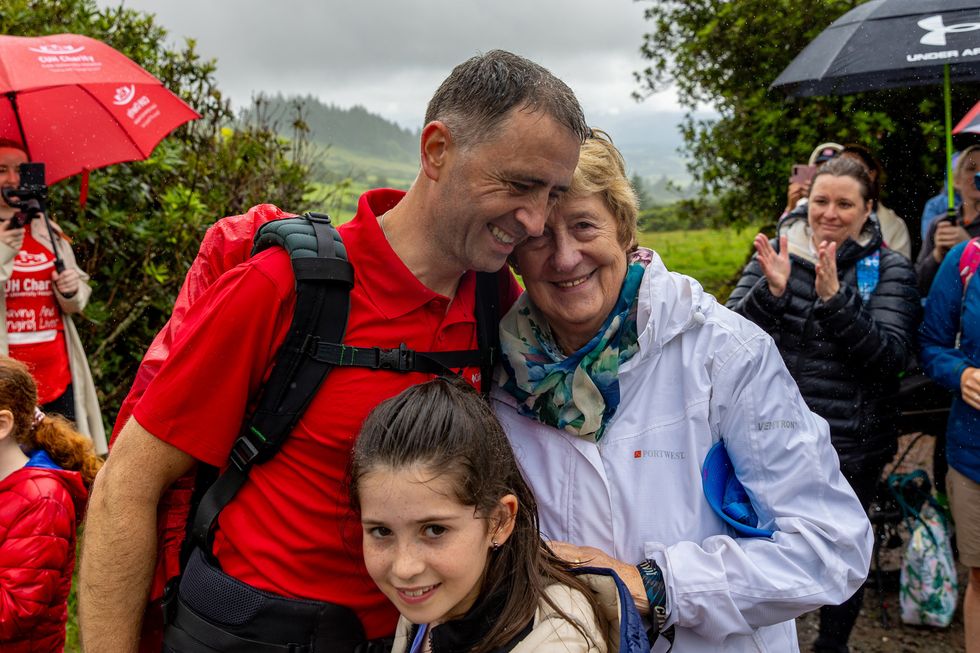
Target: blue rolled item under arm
727,496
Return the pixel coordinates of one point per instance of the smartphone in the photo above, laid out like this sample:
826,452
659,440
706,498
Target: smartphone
802,173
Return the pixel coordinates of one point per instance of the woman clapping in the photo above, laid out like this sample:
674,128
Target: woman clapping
843,310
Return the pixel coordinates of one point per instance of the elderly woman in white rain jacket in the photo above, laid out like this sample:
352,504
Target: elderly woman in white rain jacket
618,377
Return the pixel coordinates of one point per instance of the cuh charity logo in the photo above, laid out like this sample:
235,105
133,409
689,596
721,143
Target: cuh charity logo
55,49
124,95
936,35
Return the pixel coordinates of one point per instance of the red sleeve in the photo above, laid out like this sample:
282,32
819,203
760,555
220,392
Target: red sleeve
219,358
36,553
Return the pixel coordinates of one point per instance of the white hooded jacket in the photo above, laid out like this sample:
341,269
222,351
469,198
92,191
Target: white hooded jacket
703,373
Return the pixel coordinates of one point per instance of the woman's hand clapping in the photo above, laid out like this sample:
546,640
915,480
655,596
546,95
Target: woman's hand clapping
826,284
775,265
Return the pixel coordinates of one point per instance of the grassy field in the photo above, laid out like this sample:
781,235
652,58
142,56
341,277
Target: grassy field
376,171
712,256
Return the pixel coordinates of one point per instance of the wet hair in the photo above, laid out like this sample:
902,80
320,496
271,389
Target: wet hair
845,167
601,171
68,448
479,94
870,162
445,427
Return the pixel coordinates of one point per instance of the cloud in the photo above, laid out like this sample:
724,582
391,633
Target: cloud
390,55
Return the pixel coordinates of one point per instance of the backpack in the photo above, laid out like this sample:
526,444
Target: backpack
969,262
313,346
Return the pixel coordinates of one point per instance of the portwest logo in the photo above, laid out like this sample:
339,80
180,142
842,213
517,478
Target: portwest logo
124,95
58,49
666,454
937,30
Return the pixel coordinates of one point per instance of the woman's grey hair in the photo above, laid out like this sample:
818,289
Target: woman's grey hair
480,92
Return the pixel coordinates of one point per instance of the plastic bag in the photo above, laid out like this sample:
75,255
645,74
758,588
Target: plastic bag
928,576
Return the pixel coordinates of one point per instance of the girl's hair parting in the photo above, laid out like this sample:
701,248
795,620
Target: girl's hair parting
446,427
68,448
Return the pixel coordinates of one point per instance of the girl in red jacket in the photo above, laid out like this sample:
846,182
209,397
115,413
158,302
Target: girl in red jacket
45,468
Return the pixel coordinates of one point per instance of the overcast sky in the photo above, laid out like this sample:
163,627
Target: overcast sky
390,55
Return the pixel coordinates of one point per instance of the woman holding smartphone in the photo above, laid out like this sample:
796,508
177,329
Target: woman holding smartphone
945,234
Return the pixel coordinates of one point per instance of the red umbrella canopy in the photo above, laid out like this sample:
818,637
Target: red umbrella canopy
77,104
970,123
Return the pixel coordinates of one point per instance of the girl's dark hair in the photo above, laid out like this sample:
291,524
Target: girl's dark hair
68,448
842,166
446,427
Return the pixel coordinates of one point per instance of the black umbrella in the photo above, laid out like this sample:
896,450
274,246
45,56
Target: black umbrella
889,44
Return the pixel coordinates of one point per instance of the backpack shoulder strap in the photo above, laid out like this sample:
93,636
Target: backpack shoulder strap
314,345
969,261
489,289
324,278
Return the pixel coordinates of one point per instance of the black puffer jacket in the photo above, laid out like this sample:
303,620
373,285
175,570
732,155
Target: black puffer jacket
845,354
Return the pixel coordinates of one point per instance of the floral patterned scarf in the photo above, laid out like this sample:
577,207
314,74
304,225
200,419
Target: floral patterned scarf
579,392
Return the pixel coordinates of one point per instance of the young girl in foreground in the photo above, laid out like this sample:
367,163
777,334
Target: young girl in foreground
45,468
451,534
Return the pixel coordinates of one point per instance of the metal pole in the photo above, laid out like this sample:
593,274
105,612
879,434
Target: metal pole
20,127
950,211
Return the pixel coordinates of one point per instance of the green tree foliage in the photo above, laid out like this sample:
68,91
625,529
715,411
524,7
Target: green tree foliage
723,54
640,188
145,219
679,215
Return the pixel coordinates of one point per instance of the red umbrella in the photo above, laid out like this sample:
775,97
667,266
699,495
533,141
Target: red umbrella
970,123
77,104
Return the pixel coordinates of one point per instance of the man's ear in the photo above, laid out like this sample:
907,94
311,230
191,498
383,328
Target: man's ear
504,518
436,143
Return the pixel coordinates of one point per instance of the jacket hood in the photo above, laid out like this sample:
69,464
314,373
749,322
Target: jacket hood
668,305
71,481
797,230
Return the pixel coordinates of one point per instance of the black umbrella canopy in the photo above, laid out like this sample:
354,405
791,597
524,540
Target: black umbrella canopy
887,44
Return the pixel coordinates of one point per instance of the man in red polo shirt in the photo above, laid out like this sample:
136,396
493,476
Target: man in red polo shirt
499,147
227,243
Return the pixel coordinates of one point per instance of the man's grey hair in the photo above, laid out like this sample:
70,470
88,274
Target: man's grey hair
480,92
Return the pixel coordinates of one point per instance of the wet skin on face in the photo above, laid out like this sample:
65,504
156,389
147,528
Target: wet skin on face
574,271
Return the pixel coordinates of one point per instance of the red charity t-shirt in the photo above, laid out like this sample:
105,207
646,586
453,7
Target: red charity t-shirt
290,530
35,332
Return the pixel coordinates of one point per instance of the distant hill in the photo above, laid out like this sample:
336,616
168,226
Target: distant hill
375,151
356,142
650,143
